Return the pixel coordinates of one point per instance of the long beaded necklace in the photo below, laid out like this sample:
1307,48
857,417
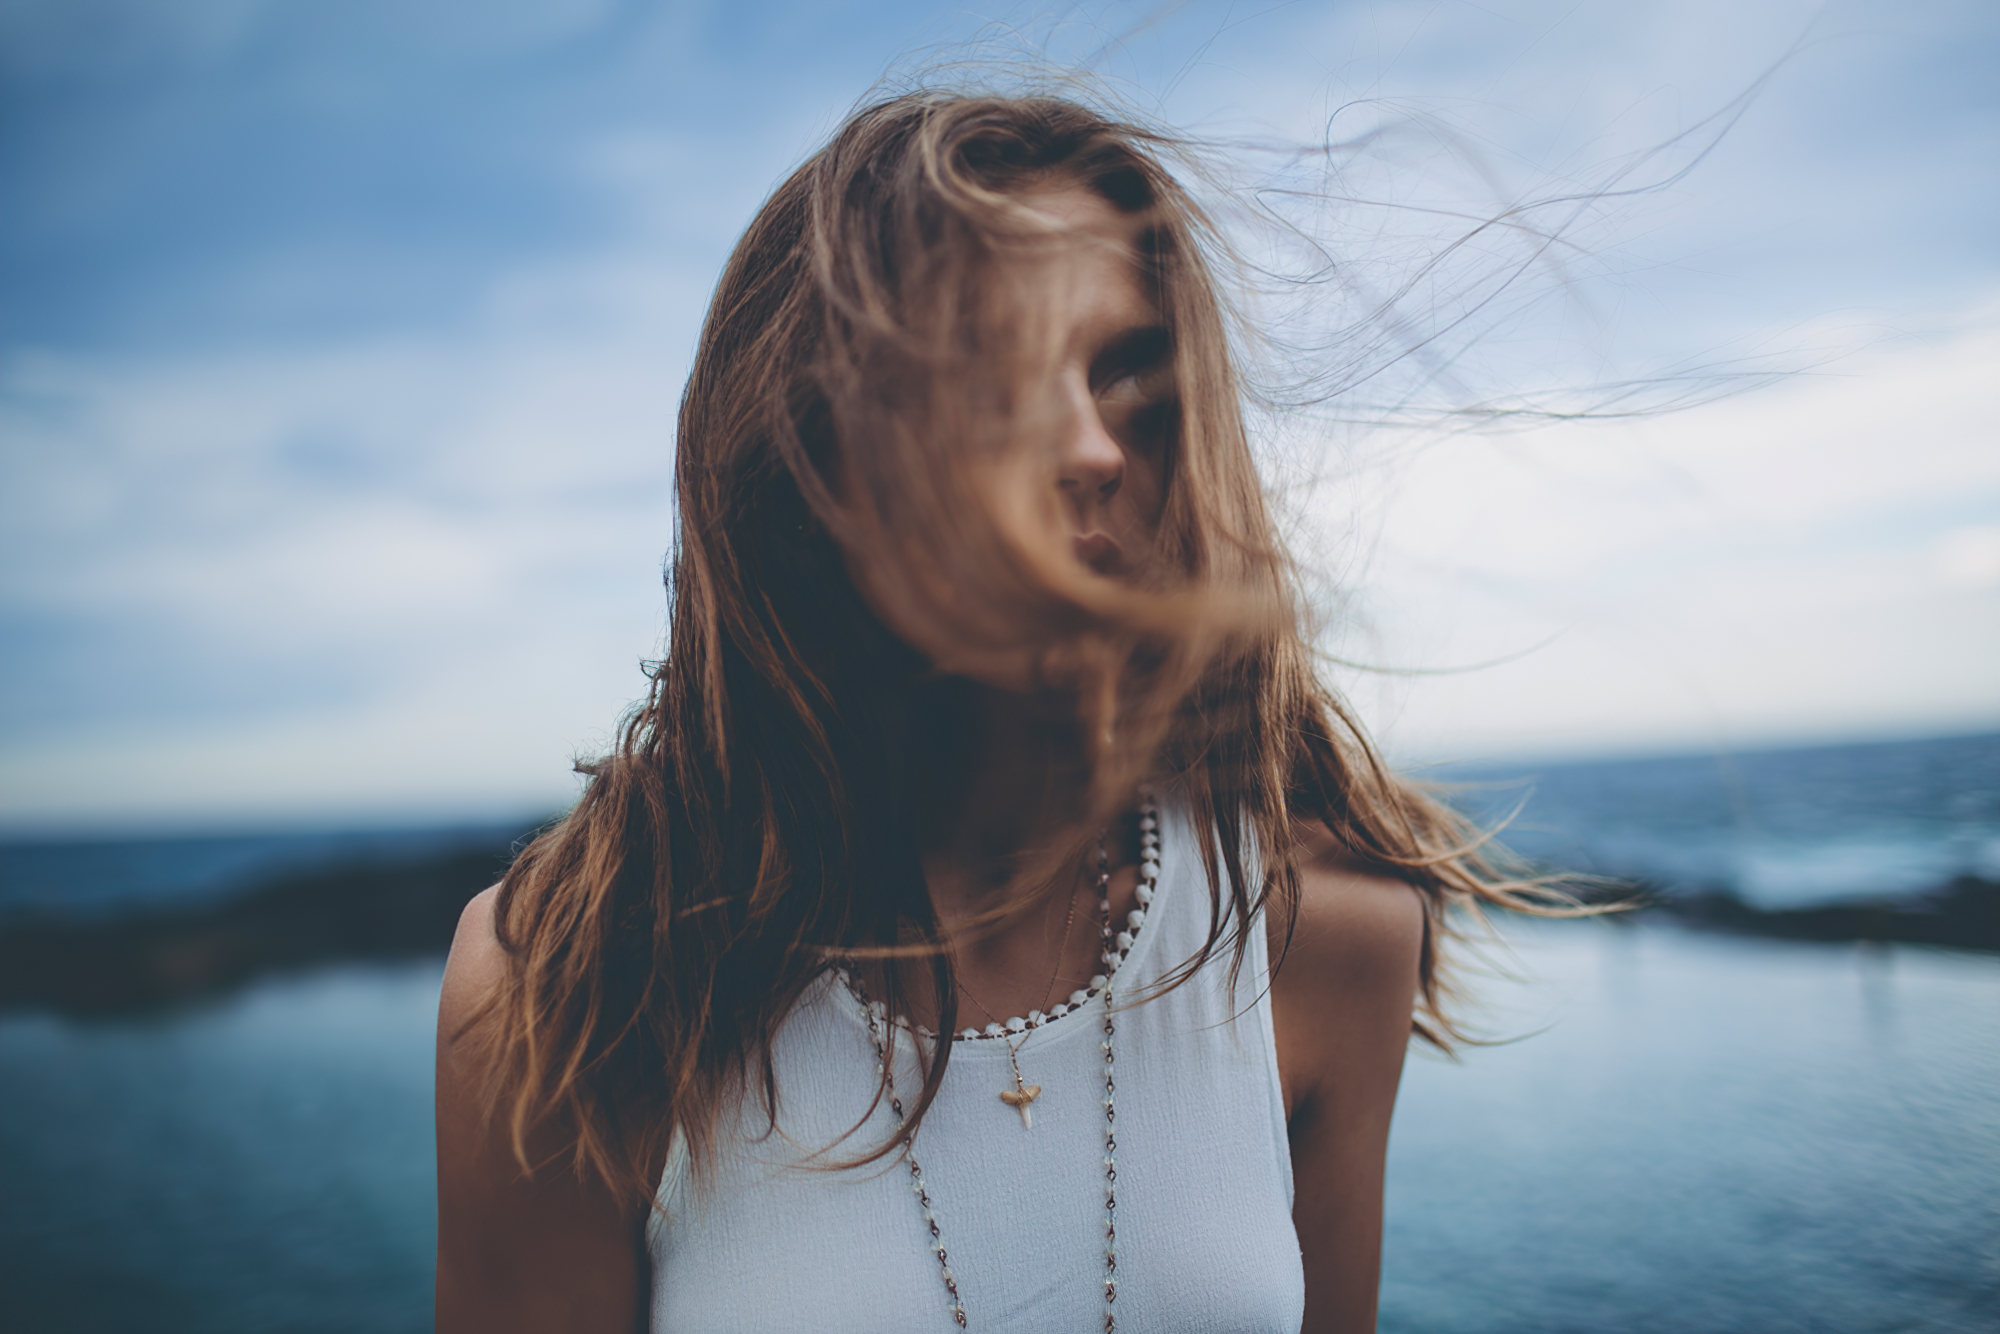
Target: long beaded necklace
1115,947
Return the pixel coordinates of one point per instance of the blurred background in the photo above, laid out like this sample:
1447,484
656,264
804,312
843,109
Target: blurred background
339,351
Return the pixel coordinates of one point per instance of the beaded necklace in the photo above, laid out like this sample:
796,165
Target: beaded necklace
1116,945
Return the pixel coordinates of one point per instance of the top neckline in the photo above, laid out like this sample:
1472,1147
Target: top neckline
852,999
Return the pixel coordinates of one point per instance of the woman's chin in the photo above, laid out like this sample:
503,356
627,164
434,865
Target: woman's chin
1012,671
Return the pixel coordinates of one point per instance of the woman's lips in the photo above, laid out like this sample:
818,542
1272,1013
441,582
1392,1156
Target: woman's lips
1101,552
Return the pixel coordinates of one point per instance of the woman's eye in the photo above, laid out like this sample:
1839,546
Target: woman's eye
1140,408
1125,391
1136,389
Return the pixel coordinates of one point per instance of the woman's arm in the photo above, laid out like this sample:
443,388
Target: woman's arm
1342,1004
541,1253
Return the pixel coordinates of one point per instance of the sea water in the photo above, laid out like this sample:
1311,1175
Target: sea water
1687,1134
1696,1134
1778,828
261,1163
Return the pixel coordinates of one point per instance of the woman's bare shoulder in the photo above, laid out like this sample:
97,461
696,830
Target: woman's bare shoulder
473,976
1341,1005
519,1250
1357,930
475,969
1347,979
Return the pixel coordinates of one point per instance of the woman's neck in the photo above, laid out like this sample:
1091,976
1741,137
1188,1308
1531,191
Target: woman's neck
998,785
995,792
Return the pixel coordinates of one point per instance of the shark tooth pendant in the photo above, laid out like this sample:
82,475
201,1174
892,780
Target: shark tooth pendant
1019,1097
1023,1092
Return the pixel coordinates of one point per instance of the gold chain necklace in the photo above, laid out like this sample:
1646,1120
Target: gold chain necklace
1023,1093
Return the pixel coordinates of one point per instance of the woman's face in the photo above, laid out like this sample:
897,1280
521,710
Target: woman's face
1111,391
1098,415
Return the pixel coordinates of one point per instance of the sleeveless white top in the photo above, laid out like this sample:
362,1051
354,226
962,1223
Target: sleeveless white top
778,1237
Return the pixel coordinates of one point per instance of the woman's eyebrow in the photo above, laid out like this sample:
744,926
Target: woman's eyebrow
1138,349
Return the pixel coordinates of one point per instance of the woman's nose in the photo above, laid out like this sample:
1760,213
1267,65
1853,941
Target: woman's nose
1092,464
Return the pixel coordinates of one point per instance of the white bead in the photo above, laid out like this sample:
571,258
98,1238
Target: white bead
993,1030
969,1034
1124,941
1097,982
1104,905
1017,1024
1036,1018
923,1032
1059,1010
1136,918
1145,894
1077,998
1148,823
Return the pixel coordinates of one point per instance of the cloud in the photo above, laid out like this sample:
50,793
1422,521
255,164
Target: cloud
1807,559
337,395
390,547
1969,557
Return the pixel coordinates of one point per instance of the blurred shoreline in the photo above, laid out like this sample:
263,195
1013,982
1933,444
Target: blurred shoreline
1892,842
160,957
1963,913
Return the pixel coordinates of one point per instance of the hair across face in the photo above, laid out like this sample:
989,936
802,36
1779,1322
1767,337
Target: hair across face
1079,488
934,340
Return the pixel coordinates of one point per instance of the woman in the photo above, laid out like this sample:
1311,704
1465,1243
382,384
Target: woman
986,712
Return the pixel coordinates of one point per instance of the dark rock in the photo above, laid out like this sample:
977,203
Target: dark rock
142,960
1962,914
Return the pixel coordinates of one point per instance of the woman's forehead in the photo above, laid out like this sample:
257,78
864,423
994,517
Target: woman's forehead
1073,206
1095,280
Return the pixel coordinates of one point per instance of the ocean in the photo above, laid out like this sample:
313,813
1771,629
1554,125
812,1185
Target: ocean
1670,1130
1777,828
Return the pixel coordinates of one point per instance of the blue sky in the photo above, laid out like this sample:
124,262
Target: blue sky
339,348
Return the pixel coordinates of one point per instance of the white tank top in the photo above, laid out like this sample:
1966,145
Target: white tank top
777,1240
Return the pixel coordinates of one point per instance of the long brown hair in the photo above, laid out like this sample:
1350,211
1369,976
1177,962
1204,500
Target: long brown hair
858,387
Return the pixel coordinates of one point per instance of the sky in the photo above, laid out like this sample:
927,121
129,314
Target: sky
340,345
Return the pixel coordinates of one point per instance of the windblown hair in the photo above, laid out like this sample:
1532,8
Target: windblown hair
862,408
